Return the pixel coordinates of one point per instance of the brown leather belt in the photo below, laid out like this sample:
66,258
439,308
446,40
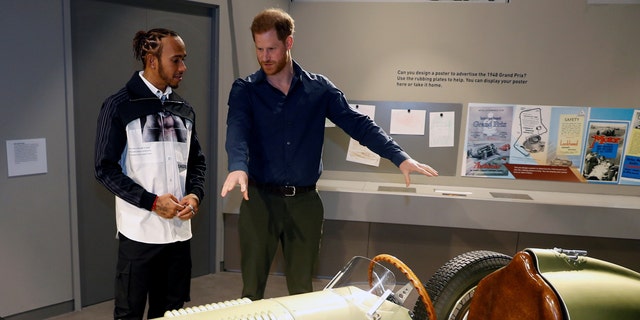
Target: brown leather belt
284,191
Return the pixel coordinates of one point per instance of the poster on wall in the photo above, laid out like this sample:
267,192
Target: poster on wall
488,140
630,173
555,143
531,134
603,151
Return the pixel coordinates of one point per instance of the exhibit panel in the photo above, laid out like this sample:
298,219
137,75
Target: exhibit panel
502,54
394,56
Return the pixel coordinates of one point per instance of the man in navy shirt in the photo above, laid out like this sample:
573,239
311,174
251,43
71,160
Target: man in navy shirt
275,133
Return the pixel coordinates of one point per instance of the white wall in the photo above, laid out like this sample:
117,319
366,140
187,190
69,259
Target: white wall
574,54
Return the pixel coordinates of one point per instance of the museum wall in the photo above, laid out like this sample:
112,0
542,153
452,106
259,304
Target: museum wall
566,53
562,53
39,229
573,54
35,228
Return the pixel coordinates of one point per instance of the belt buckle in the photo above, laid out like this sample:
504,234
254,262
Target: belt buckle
289,191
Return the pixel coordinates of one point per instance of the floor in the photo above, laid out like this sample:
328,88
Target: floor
206,289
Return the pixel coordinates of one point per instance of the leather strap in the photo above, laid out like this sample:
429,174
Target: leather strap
284,191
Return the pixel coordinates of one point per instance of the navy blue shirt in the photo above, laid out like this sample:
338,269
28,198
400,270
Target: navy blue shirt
277,138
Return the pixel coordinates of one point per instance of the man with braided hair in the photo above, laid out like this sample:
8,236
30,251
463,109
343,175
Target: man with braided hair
148,155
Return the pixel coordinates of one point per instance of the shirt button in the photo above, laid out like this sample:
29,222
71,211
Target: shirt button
288,143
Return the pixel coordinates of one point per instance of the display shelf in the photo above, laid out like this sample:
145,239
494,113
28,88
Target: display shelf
477,193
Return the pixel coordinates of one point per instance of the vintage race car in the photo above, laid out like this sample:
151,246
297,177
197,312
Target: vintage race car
477,285
363,289
483,152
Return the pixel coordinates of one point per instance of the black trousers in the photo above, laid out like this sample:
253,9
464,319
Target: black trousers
160,271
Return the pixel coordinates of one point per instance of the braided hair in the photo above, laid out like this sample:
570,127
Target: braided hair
149,42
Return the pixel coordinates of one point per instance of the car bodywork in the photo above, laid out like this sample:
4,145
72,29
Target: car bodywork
478,285
363,289
557,284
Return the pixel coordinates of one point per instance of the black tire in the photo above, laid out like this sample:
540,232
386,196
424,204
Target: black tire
452,286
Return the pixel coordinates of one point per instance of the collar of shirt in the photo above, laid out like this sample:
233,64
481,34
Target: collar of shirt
153,89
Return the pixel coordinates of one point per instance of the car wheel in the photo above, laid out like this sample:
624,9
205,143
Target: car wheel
413,279
452,286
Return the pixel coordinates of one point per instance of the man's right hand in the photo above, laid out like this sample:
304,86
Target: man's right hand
167,206
235,178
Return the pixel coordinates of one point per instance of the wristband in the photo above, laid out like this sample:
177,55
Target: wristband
153,207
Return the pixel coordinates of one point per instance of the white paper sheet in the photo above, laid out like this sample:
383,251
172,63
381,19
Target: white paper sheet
27,156
441,129
407,121
357,152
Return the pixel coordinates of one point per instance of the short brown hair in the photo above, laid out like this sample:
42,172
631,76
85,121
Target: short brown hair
273,18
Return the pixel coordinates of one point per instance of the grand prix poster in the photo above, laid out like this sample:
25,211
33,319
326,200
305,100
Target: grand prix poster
555,143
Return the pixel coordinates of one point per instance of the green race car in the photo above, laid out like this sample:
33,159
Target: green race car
477,285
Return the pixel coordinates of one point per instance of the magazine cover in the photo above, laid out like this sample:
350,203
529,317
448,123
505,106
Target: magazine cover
530,135
569,136
546,143
604,149
631,164
488,139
